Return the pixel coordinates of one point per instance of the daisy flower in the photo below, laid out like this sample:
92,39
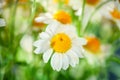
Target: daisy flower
61,44
90,6
112,12
95,53
61,17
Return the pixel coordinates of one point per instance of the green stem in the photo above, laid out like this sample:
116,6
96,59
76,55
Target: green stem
81,19
32,15
83,8
96,9
12,23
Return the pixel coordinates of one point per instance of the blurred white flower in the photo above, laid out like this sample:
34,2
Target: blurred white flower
95,53
2,22
49,5
26,43
89,8
117,4
111,11
61,44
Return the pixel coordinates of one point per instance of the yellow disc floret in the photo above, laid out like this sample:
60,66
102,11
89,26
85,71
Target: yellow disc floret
61,43
62,17
64,1
92,2
115,14
93,44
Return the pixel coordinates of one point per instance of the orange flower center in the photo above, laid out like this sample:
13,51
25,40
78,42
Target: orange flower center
61,43
62,17
92,2
115,13
93,44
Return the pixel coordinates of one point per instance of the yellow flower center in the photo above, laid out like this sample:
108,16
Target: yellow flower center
115,14
63,1
92,2
61,43
62,17
93,44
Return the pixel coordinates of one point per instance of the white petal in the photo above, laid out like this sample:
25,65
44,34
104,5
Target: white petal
44,35
73,58
44,19
41,47
69,30
38,43
79,41
47,55
51,28
78,51
56,61
65,61
37,51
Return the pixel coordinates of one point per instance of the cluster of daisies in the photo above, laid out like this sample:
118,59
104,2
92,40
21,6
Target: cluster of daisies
60,43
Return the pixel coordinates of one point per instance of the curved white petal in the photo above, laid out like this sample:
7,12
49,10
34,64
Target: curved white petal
69,30
37,51
78,51
39,43
73,58
56,61
79,41
45,18
42,46
47,55
44,35
51,28
65,61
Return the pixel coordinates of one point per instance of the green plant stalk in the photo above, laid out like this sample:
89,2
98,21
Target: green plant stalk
81,18
83,8
32,12
96,9
12,23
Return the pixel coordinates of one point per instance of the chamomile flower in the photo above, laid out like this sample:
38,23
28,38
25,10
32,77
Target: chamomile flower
94,52
90,6
61,44
61,17
112,12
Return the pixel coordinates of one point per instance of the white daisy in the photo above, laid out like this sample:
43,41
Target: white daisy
95,53
58,17
61,44
90,6
111,11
